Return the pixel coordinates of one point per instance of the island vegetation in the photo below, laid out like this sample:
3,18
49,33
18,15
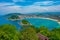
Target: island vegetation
25,22
13,17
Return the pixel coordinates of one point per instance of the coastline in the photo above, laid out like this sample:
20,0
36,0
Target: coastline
47,18
52,19
38,18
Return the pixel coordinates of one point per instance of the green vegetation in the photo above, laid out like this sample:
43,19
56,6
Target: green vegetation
9,32
28,34
25,22
14,17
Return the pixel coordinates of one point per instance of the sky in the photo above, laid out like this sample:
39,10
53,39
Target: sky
29,6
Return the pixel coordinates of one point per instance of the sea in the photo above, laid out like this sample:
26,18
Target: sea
37,22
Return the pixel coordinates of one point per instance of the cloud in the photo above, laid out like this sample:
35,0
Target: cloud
29,9
18,0
6,4
34,8
10,9
44,3
47,3
6,8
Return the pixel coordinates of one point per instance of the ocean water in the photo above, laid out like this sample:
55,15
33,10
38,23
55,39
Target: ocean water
5,21
50,24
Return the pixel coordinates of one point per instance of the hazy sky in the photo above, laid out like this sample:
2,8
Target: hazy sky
29,6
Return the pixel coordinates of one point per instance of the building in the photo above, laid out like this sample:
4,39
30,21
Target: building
42,37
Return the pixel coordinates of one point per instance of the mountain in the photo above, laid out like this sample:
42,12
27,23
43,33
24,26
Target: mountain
10,14
54,15
46,14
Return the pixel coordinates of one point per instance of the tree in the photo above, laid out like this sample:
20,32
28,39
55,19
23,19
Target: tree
44,31
55,34
28,34
8,32
25,22
13,17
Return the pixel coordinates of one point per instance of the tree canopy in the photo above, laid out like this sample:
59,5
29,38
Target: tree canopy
9,32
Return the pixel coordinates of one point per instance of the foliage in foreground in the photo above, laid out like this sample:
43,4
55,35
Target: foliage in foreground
9,32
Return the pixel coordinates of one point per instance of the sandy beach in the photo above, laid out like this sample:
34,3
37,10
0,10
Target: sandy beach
52,19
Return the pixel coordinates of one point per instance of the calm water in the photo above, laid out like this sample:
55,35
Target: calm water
35,21
50,24
4,21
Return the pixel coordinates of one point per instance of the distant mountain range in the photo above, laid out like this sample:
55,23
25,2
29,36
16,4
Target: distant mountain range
36,13
10,14
47,14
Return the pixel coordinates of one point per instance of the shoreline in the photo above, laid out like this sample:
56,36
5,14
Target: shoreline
48,19
39,18
52,19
